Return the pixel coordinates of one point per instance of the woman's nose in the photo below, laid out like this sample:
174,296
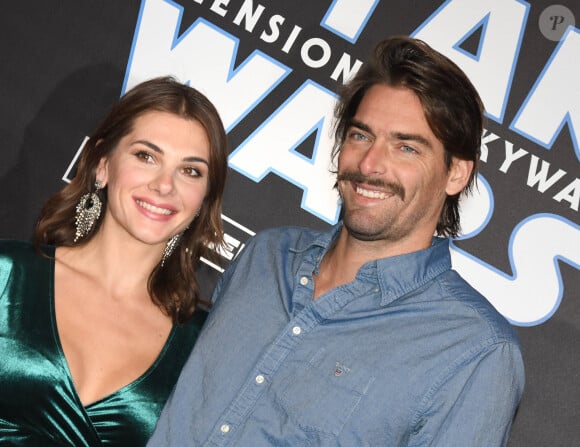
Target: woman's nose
163,183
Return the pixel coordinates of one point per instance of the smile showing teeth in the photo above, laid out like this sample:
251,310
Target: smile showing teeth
370,194
153,208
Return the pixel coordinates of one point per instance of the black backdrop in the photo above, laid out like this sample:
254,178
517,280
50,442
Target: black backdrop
63,63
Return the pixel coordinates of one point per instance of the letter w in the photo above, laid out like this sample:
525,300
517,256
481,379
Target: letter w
203,56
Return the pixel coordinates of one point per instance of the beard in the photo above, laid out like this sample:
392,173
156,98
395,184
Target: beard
364,225
371,228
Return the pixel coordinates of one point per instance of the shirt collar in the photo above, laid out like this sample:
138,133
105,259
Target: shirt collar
399,275
396,275
323,239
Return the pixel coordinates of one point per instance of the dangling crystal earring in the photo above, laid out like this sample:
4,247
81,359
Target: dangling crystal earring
87,212
170,247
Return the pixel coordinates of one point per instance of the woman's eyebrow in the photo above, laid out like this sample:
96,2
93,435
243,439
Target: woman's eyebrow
157,149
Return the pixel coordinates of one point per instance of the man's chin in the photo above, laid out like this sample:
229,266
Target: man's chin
363,233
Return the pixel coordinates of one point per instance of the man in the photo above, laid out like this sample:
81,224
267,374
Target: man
363,335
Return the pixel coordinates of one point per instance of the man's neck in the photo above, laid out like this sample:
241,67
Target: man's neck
347,255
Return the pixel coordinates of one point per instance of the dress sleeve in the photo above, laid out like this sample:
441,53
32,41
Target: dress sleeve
6,267
474,402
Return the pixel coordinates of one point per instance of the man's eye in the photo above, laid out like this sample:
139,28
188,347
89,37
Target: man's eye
409,149
358,136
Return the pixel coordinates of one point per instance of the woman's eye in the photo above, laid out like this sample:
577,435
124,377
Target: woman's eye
191,171
145,156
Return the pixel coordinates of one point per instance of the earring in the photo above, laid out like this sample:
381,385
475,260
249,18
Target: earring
170,247
87,212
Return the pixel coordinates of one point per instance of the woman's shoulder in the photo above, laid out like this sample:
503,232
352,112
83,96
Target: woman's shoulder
23,258
13,255
16,250
191,328
12,250
184,335
14,245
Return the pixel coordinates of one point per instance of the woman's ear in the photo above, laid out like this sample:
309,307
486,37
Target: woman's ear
102,172
459,173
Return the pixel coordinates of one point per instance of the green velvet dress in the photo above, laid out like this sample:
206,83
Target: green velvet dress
39,406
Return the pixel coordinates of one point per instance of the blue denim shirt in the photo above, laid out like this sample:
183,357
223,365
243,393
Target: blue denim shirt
408,354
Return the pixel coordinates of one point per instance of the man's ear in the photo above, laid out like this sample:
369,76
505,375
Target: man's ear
459,173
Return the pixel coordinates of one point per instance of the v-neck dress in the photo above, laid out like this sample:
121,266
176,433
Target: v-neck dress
39,406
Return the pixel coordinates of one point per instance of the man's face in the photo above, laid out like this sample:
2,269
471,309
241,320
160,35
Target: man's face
392,175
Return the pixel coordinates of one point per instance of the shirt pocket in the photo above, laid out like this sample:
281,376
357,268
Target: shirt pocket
319,391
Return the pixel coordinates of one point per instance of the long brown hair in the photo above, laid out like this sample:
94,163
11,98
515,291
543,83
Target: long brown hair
173,286
450,102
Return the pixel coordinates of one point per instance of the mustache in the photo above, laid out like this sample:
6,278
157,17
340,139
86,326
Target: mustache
357,177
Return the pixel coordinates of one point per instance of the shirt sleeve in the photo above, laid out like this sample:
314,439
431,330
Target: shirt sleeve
228,272
474,402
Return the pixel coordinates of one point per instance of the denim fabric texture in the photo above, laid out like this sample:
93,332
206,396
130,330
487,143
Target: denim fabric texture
408,354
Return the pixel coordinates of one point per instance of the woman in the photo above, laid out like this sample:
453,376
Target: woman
97,320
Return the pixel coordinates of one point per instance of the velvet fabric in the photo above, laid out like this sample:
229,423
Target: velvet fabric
39,405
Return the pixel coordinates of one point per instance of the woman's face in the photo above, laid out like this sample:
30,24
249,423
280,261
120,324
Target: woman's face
156,178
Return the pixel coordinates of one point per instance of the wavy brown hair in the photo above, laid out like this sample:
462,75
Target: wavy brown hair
452,106
173,287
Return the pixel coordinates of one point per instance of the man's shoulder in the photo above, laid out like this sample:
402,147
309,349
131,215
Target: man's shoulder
291,237
478,307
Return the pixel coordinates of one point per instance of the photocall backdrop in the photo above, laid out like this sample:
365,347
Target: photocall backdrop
272,69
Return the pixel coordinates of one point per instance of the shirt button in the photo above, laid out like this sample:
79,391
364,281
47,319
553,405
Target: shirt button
304,280
260,379
296,330
225,428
